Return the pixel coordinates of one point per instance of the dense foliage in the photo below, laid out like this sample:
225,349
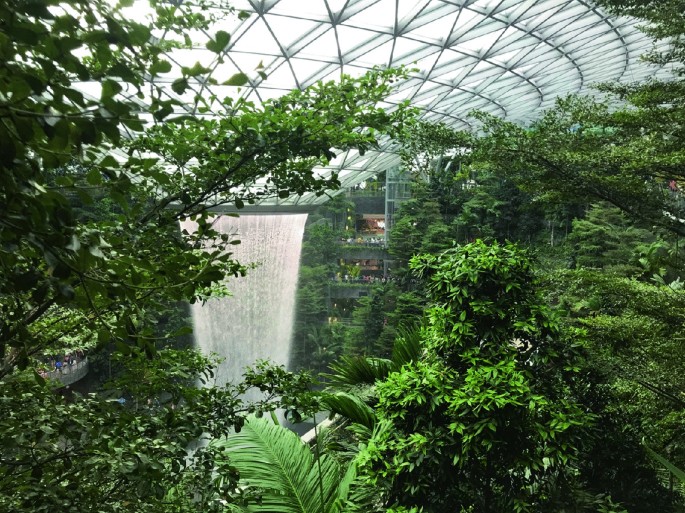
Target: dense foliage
93,190
483,419
490,403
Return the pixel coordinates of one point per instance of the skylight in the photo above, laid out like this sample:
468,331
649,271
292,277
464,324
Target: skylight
510,57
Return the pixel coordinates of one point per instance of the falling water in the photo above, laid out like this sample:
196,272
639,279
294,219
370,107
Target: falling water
256,321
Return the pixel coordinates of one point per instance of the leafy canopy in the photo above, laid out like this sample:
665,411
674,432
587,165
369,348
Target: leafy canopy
483,418
62,149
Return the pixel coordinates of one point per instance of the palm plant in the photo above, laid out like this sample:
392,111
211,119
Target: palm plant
359,371
287,473
351,380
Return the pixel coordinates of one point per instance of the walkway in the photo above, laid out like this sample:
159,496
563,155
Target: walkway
69,373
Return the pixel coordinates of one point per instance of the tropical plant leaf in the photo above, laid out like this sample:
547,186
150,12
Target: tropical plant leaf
678,473
407,346
276,461
344,487
358,370
351,407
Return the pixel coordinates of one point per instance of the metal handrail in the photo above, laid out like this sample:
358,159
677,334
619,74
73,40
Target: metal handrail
69,374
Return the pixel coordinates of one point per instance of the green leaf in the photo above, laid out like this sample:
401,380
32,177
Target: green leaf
110,88
197,69
60,137
64,181
87,132
163,112
359,370
109,161
351,407
84,196
20,89
238,79
179,85
678,473
161,66
134,124
94,177
7,148
103,336
274,459
220,42
75,96
24,127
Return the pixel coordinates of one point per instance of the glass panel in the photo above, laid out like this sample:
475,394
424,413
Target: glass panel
501,54
437,30
324,47
288,30
380,14
257,40
350,38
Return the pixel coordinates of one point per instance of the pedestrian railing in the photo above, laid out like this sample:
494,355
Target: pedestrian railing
69,374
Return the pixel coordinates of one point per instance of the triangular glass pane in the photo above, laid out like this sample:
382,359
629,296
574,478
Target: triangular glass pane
310,9
408,48
410,8
224,71
304,68
288,30
281,77
480,44
350,38
425,64
354,71
324,47
381,15
247,62
438,30
378,56
258,39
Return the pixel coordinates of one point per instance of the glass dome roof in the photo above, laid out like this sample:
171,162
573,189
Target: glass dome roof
511,58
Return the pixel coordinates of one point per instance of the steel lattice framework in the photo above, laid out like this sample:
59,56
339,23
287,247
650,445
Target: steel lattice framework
511,58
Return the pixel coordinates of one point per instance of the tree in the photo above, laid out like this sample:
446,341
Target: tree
414,227
433,152
605,238
370,333
584,148
173,170
105,278
665,21
128,449
484,417
319,246
632,380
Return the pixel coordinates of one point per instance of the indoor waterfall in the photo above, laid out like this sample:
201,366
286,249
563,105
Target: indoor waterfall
256,321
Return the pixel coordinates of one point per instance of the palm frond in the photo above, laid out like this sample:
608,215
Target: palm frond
358,370
678,473
351,407
276,461
344,488
407,346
